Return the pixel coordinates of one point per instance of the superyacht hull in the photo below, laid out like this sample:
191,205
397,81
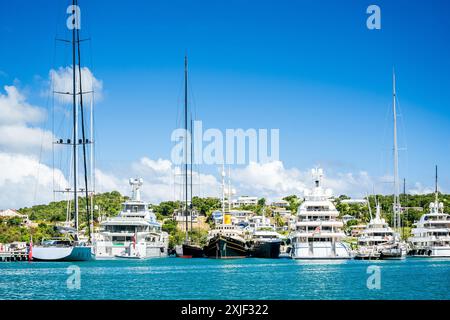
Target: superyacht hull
367,256
108,251
321,250
192,251
221,247
74,253
431,252
393,255
266,249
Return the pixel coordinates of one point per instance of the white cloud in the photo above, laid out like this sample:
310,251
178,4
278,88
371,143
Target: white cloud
420,189
269,179
17,118
25,182
22,138
162,181
14,110
272,180
24,179
61,80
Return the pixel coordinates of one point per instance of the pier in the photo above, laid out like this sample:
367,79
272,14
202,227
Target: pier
11,256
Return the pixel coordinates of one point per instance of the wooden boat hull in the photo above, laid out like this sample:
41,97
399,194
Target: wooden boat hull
221,247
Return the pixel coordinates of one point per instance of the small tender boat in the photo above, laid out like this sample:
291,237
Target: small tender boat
125,256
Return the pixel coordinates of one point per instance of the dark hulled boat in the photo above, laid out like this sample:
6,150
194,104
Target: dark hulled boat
266,249
192,251
225,247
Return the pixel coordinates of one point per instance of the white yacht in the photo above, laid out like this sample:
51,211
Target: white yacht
379,241
431,235
318,231
134,233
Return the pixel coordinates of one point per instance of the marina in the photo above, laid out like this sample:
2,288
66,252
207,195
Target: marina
145,209
285,279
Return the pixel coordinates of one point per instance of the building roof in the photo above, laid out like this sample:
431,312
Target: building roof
11,213
360,201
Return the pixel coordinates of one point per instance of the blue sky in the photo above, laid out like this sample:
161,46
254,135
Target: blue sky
310,68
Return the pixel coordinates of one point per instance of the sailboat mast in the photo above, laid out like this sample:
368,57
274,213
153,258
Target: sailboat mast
223,193
436,195
83,135
396,206
192,147
229,188
92,163
186,144
75,134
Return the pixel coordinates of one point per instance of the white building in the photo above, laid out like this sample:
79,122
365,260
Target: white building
244,201
355,201
346,218
11,214
280,204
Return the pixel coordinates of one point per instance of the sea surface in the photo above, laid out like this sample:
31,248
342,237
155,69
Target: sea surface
177,278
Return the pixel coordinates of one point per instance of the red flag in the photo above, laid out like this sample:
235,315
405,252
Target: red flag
30,250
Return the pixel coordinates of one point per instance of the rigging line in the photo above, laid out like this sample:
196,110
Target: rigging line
382,156
403,134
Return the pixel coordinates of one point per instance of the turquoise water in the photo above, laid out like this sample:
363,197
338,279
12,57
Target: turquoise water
175,278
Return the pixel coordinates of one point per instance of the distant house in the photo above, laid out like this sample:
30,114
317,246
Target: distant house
281,211
354,201
357,229
217,216
419,209
179,216
245,201
12,214
239,216
347,218
280,204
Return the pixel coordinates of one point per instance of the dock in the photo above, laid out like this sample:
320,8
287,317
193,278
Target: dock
10,256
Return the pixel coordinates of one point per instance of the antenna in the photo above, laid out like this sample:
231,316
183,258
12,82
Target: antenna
368,204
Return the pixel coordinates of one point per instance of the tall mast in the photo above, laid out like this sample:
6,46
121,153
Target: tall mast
190,189
436,194
396,204
229,188
84,140
75,134
92,163
223,193
186,143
